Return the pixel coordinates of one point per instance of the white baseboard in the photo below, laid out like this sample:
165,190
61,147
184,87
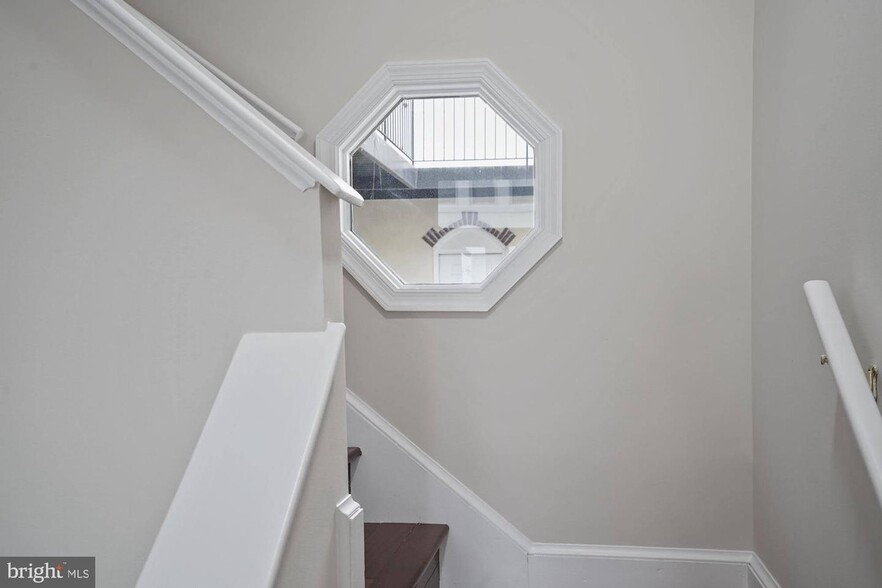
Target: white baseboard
761,573
398,482
645,553
436,470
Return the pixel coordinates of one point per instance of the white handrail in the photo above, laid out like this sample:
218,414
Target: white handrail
276,117
230,518
156,48
863,414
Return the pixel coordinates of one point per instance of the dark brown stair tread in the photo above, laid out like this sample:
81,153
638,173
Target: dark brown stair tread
397,555
354,453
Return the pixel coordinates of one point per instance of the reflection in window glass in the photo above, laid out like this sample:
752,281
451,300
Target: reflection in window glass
448,188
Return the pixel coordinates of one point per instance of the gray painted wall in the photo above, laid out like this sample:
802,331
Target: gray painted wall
816,214
138,241
613,382
607,398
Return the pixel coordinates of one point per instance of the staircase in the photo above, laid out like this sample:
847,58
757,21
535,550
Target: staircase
281,401
400,555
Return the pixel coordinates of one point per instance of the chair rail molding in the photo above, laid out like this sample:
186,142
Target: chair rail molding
433,79
229,106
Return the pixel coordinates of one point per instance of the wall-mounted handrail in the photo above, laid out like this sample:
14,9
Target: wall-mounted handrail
156,48
230,518
276,117
862,412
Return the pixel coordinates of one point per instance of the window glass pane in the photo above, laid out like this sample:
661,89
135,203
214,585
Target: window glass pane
448,187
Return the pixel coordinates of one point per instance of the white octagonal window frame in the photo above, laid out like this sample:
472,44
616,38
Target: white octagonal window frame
342,136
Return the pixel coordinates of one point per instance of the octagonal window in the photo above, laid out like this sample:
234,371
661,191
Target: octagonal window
448,188
461,176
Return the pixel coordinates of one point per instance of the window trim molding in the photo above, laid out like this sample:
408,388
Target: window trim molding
361,115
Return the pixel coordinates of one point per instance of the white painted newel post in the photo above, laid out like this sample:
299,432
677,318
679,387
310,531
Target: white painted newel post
350,544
